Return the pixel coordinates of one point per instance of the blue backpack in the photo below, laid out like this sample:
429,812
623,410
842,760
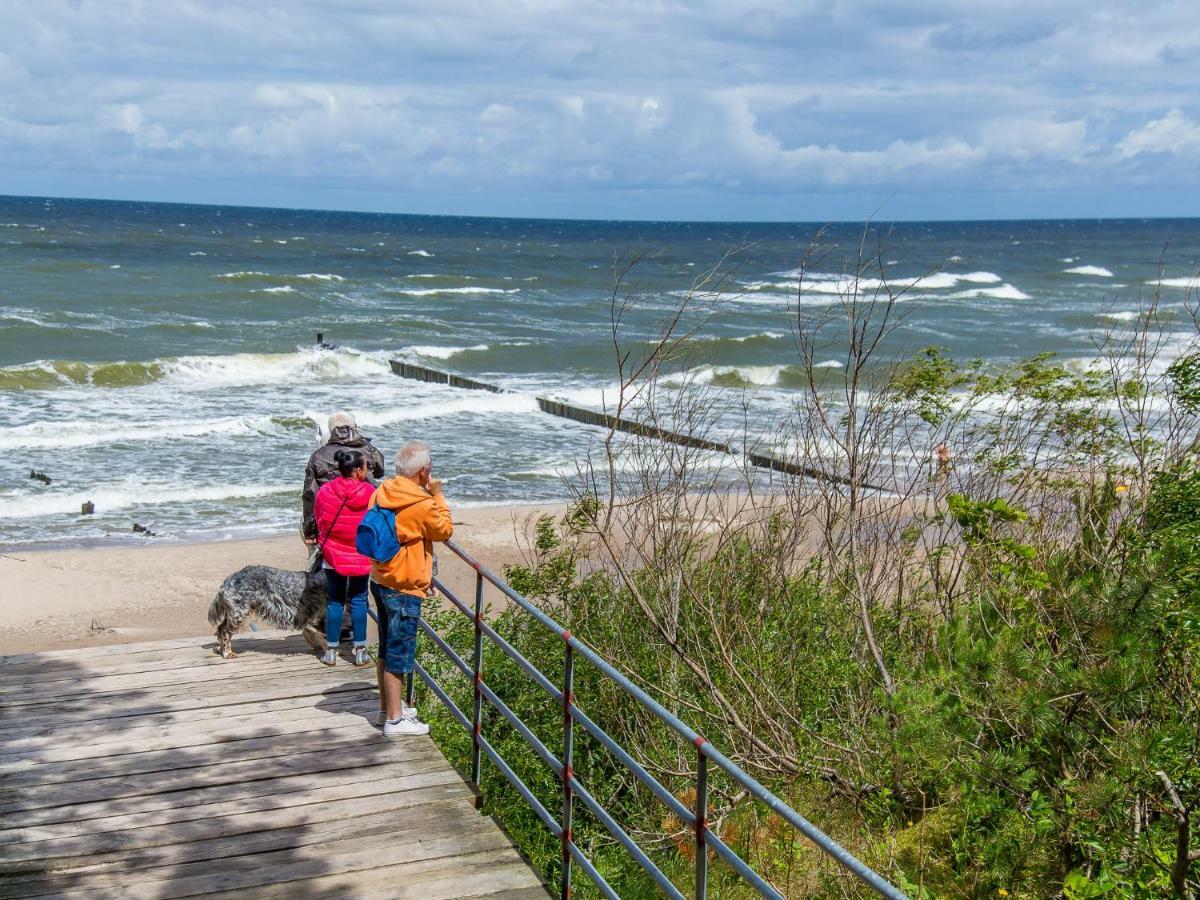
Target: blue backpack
376,534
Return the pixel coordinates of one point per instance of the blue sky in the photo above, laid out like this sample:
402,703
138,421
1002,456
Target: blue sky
805,110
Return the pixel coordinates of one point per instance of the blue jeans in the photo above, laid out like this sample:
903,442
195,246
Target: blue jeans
398,617
345,589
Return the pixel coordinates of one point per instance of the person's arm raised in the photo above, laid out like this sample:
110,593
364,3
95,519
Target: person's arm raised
440,526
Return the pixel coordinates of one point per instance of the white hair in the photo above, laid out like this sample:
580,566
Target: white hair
338,419
412,458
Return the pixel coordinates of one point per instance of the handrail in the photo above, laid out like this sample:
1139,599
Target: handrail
572,790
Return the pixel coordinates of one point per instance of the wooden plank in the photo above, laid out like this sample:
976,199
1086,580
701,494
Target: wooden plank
98,688
116,660
231,728
222,691
78,653
491,874
370,782
163,863
236,846
55,675
257,691
49,730
285,867
237,771
343,773
201,757
38,855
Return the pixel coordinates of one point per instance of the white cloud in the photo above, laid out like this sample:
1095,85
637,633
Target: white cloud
589,97
1174,134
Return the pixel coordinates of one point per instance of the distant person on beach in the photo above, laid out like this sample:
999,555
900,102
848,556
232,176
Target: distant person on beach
400,584
942,458
322,467
339,507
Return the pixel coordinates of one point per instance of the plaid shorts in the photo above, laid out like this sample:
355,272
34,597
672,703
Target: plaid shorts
398,617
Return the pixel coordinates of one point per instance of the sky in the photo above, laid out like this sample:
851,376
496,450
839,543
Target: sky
804,110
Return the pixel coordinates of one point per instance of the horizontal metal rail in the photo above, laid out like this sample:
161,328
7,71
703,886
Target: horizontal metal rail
695,820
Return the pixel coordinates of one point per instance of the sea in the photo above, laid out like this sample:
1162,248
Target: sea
161,362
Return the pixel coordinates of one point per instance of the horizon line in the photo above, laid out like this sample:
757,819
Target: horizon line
599,220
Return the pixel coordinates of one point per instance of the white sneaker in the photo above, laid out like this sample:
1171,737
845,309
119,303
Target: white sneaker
404,727
408,712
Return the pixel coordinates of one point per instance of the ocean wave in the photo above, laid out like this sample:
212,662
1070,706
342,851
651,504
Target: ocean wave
84,433
425,253
1097,271
433,352
49,374
280,289
444,275
467,403
831,283
1188,284
309,364
430,292
78,321
1004,292
1127,315
747,376
711,340
283,277
124,495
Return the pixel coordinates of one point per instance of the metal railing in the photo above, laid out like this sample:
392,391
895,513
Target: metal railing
695,819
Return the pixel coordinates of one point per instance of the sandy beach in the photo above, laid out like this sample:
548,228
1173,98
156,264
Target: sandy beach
80,597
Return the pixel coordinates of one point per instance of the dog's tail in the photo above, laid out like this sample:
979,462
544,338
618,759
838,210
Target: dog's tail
218,607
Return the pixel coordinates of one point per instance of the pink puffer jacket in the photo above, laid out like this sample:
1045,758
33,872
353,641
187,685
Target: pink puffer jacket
338,547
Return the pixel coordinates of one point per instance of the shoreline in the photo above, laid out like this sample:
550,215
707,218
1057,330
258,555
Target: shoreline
101,593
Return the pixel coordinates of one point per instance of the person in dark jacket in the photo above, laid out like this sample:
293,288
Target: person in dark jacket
322,467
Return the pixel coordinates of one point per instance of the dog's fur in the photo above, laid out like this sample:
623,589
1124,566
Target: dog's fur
285,599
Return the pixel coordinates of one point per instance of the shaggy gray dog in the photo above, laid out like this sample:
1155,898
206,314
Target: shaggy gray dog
294,600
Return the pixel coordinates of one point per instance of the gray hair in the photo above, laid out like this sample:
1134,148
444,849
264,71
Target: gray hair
338,419
412,458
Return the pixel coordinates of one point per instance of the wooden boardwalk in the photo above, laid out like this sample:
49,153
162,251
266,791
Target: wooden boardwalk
160,770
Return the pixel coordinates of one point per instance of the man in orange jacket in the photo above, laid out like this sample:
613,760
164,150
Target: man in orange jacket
400,584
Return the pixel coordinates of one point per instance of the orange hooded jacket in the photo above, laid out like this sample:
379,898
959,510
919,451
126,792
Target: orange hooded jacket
421,519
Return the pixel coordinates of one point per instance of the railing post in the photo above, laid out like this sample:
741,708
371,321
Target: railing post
701,820
568,762
477,710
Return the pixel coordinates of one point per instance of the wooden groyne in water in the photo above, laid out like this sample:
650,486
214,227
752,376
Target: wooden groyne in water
603,420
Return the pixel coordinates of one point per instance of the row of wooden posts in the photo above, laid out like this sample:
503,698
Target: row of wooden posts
603,420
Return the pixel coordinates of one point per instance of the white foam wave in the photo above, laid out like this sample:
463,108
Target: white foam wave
769,335
1097,271
1127,315
124,495
83,433
1004,292
468,403
282,289
429,292
320,276
434,352
445,275
275,368
236,275
197,253
830,283
419,253
1188,284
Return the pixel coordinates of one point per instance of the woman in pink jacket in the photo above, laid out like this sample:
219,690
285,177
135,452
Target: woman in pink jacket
340,505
